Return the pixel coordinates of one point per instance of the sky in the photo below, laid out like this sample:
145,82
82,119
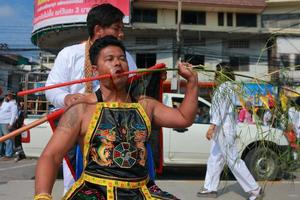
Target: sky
16,26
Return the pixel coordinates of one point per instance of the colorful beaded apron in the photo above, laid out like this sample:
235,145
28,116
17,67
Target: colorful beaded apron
114,154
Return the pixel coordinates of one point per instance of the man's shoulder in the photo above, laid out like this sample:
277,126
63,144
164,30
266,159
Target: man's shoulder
228,84
85,101
225,86
73,50
146,100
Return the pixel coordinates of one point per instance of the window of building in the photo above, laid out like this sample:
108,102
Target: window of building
239,44
194,42
229,19
285,59
193,17
194,59
239,63
144,60
144,15
246,20
145,41
286,20
220,19
51,59
297,62
3,46
48,59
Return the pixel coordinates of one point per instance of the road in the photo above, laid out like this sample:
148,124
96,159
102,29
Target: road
17,183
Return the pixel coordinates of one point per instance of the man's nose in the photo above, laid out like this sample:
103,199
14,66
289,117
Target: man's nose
117,62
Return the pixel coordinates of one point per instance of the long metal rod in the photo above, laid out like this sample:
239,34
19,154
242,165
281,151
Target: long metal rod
22,93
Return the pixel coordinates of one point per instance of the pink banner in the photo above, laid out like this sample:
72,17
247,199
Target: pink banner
51,12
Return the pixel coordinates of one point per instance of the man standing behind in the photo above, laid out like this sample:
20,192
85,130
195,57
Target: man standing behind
8,114
72,63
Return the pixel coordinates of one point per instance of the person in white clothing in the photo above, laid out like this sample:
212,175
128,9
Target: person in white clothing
72,63
294,118
222,132
8,115
268,119
294,126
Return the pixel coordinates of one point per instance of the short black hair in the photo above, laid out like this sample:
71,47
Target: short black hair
225,72
100,44
103,15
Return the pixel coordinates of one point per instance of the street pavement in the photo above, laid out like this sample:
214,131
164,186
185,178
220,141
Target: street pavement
17,183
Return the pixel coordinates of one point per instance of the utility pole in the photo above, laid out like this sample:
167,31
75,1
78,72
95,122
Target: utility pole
176,79
274,64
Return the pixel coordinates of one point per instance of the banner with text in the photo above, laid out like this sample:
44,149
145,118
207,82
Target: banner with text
53,12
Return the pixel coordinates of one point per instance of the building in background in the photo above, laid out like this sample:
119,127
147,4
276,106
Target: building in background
12,69
281,19
211,32
243,33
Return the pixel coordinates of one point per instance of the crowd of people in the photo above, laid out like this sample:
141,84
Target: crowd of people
11,117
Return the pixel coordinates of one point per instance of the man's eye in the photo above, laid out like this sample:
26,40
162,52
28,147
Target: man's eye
108,59
123,58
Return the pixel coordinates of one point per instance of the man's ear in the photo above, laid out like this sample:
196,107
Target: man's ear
98,31
95,71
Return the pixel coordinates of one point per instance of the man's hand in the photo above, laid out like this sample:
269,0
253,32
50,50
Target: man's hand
210,132
186,71
71,99
163,75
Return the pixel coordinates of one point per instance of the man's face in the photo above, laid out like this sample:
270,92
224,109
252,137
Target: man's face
112,60
116,29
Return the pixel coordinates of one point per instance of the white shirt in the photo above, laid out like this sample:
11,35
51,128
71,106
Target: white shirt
222,111
8,112
69,66
294,118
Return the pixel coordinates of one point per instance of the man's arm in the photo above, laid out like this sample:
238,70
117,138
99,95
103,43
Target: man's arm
59,74
184,115
210,132
63,139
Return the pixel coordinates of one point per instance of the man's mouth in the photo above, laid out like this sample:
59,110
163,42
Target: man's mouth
118,71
